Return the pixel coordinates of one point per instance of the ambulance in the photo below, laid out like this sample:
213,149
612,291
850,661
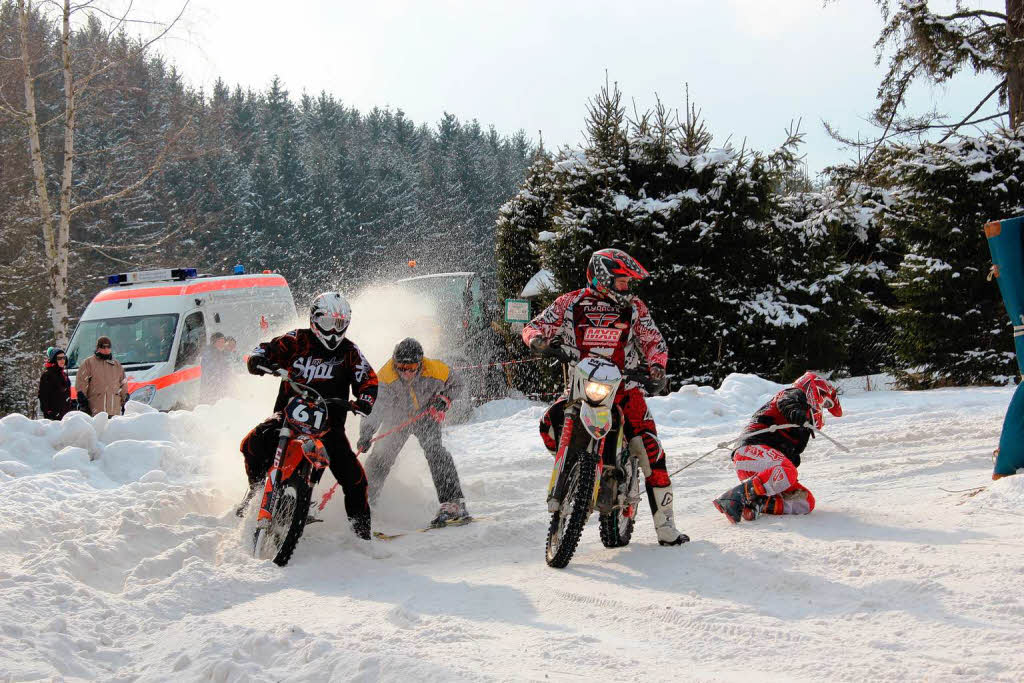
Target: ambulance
160,321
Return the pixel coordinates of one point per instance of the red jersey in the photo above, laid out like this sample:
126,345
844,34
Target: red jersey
592,325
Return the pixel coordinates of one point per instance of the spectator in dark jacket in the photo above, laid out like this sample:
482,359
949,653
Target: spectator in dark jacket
54,386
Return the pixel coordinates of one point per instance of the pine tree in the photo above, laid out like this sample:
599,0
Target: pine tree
951,324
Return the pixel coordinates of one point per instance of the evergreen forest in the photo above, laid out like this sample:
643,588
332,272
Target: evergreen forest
880,266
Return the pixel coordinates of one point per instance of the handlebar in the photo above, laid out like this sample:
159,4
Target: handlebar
300,389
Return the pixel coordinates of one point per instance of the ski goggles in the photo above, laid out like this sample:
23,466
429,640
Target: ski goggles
407,367
331,322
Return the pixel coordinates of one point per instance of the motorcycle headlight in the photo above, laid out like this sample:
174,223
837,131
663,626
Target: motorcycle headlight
144,394
596,391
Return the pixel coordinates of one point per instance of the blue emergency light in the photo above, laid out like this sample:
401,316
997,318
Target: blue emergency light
152,276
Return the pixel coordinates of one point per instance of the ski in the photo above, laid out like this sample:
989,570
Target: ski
461,522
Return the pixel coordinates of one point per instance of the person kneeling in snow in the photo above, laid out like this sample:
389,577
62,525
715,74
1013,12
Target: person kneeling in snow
766,461
415,392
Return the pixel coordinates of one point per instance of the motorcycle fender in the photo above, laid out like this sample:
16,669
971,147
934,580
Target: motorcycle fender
596,419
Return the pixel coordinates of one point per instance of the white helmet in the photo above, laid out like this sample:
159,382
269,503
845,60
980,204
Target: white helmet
329,316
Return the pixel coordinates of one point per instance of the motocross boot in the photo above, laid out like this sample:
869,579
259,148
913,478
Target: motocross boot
660,498
451,513
361,526
735,503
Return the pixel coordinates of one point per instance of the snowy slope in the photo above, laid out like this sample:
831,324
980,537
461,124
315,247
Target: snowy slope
129,565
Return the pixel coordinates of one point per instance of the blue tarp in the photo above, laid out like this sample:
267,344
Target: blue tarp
1005,242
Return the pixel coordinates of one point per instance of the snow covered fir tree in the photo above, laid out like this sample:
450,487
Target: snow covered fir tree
754,267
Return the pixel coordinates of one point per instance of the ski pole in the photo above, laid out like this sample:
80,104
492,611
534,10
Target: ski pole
838,445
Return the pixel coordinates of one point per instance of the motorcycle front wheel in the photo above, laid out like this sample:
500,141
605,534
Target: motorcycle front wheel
287,521
568,522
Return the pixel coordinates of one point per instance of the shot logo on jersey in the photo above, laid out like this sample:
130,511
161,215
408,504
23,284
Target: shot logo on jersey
311,369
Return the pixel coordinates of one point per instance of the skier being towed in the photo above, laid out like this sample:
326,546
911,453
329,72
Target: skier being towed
323,359
606,318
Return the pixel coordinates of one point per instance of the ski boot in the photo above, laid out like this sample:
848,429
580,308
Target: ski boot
451,513
660,499
361,526
742,502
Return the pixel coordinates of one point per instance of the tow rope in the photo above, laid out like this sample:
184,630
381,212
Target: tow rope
726,445
330,493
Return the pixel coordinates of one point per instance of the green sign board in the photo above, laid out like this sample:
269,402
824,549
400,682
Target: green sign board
517,311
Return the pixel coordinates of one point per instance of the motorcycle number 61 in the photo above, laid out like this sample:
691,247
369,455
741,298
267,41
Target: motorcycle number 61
303,414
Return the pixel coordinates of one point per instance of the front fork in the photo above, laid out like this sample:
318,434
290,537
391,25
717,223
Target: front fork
270,489
558,482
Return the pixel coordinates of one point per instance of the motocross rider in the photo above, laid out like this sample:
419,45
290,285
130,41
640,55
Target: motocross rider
766,463
320,357
606,318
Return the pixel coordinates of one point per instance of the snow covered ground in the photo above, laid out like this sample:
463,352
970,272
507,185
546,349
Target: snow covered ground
120,559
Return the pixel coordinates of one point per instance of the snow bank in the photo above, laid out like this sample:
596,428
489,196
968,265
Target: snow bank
120,558
178,447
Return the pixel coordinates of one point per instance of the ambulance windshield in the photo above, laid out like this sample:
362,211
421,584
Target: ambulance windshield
134,339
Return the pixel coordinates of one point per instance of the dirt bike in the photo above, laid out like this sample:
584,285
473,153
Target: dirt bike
299,462
594,469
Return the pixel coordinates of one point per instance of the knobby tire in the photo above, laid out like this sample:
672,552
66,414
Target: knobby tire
577,495
297,523
616,529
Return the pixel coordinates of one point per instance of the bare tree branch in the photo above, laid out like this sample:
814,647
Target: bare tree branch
974,111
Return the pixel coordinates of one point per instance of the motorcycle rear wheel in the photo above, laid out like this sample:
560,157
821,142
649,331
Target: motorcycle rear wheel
617,528
568,522
288,520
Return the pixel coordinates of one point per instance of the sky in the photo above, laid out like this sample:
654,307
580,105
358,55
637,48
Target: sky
753,67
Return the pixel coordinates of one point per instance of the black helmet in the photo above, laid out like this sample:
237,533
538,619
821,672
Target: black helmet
408,351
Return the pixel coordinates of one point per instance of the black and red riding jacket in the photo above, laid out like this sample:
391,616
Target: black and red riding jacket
331,373
789,406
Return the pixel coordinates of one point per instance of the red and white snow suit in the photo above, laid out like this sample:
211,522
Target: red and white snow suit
773,457
589,323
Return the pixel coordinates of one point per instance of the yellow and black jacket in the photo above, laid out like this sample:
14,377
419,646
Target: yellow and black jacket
397,401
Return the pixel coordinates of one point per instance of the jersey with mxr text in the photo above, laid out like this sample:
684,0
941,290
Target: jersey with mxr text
331,373
595,326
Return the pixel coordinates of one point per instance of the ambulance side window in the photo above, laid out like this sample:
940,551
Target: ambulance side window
193,339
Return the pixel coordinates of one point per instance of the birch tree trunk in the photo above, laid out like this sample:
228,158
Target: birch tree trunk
55,239
60,289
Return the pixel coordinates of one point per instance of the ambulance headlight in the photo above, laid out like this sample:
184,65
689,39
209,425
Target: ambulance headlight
144,394
596,391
